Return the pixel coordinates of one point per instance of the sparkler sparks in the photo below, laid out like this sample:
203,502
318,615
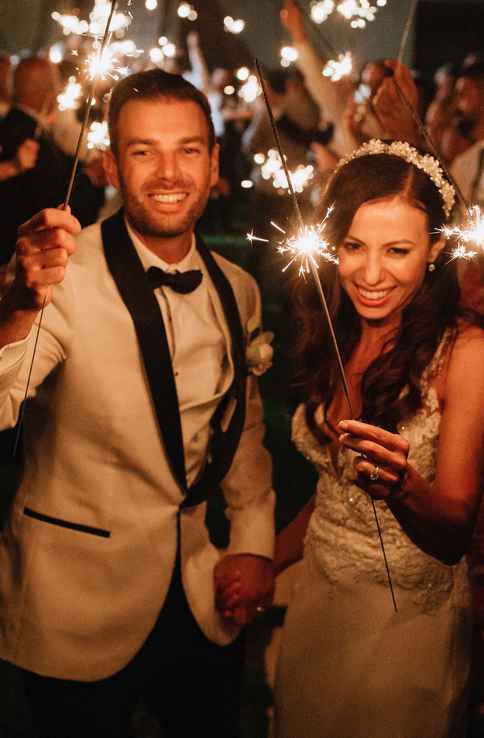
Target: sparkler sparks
308,245
358,12
469,234
98,136
272,168
233,25
70,97
338,68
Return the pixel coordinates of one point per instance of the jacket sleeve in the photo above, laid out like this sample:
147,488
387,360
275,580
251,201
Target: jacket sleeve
51,349
248,485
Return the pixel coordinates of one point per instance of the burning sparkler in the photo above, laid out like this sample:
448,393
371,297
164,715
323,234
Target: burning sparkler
307,246
233,25
303,247
338,68
75,164
98,136
358,12
70,97
469,234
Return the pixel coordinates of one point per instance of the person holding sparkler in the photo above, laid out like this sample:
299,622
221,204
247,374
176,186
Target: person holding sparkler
142,402
351,664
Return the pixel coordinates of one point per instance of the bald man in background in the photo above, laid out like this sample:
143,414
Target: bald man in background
35,89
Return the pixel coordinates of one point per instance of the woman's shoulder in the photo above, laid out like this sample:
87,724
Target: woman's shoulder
465,370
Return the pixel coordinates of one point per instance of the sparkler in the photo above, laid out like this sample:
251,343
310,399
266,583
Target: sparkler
69,98
338,68
471,233
98,136
306,245
90,97
358,12
472,229
406,30
233,25
187,11
75,165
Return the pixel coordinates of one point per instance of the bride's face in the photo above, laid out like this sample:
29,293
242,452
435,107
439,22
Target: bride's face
384,257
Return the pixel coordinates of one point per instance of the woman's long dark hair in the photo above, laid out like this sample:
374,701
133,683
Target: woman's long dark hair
433,310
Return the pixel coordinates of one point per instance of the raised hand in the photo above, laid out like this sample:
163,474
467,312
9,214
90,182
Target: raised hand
382,462
293,20
393,113
44,246
26,156
244,587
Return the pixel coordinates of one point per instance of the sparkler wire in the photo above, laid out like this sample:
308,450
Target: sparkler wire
406,30
324,304
64,207
90,96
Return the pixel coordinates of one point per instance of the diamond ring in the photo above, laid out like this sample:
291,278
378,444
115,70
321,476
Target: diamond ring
375,473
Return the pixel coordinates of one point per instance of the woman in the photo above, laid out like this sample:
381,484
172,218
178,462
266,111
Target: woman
350,665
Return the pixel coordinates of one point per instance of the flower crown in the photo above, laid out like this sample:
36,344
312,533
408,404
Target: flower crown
425,162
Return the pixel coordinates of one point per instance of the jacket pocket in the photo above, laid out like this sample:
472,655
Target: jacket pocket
80,527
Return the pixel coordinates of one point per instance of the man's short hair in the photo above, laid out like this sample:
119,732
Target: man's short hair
155,84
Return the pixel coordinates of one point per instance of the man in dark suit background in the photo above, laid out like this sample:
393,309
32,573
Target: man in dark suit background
35,89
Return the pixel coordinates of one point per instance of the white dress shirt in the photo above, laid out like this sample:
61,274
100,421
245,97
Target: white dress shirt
198,352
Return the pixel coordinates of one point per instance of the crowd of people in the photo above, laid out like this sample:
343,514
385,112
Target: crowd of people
139,350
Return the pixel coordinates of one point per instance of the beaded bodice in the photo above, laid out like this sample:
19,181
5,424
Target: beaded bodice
342,533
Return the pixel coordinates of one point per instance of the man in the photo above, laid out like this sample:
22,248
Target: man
468,167
141,405
35,88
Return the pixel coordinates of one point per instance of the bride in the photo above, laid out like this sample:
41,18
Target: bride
353,663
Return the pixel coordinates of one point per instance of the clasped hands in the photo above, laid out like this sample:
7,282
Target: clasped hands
244,587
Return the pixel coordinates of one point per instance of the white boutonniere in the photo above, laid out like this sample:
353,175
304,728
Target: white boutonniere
258,352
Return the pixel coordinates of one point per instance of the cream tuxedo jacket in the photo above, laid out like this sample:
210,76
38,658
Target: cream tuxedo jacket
78,601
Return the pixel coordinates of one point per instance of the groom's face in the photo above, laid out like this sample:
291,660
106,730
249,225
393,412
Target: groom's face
164,166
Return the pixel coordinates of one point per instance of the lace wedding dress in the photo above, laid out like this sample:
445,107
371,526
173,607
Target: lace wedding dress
350,666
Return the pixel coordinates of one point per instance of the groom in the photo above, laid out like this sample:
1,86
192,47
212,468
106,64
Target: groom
141,405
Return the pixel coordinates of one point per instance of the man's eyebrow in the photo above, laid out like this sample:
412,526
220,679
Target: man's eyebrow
152,141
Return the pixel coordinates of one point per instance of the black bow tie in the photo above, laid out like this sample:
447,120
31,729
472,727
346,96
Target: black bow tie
183,282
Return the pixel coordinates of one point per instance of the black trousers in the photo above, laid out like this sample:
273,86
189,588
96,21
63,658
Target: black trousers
190,684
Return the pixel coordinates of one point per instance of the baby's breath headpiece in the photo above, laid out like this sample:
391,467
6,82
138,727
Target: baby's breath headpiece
425,162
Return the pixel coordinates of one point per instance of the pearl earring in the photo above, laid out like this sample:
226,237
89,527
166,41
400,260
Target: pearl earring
431,267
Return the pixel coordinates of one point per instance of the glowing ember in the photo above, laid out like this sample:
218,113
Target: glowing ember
338,68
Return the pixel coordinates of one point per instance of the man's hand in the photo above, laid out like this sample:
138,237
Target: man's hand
393,113
244,587
26,156
44,246
292,18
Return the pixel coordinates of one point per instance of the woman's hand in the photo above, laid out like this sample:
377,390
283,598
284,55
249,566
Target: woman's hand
382,465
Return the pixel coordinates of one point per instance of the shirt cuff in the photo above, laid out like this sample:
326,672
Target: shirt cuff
13,354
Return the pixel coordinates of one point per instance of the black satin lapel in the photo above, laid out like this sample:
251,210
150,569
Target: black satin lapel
136,293
226,445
